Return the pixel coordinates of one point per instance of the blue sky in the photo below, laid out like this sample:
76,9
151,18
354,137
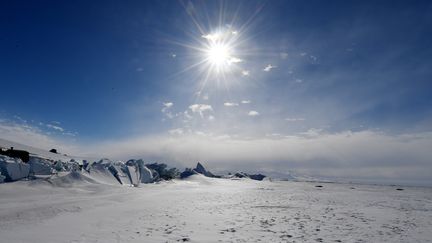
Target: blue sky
140,78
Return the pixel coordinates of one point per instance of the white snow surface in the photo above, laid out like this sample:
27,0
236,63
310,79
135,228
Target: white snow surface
78,207
40,152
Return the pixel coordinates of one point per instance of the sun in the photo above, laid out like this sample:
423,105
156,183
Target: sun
218,54
218,51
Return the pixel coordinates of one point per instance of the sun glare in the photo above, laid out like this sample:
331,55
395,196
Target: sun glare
218,55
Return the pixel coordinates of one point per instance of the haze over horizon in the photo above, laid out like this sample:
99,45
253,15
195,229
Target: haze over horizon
333,89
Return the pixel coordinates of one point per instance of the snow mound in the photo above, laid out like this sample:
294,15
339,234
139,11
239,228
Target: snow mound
39,152
106,173
65,179
201,179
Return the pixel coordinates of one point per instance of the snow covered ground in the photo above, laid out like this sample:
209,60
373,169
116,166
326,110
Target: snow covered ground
40,152
77,208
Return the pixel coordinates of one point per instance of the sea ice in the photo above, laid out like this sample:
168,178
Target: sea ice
13,169
40,166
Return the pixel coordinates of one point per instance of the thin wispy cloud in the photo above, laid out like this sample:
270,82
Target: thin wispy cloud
361,155
212,37
58,128
200,109
234,60
230,104
166,109
269,67
177,131
245,101
253,113
34,136
245,72
293,119
71,134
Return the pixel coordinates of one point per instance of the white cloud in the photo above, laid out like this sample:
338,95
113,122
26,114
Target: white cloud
72,134
292,119
168,104
362,155
200,109
269,67
58,128
245,101
197,108
303,54
275,135
234,60
230,104
32,136
212,37
313,132
245,72
211,118
283,55
140,69
177,131
187,116
253,113
299,81
20,119
220,35
166,109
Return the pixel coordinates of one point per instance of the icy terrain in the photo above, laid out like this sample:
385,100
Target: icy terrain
77,208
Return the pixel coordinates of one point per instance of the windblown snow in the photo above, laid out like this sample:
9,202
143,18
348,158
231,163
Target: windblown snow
90,205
